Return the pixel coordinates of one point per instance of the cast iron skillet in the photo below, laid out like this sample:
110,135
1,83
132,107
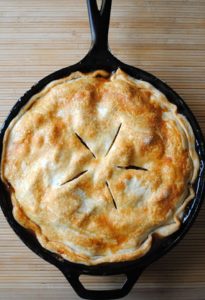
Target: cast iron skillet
99,57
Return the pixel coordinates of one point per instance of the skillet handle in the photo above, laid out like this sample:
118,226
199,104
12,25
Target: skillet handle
82,292
99,24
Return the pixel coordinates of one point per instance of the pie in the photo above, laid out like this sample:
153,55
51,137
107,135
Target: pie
98,164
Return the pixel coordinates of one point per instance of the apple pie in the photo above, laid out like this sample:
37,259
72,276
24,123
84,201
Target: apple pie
97,164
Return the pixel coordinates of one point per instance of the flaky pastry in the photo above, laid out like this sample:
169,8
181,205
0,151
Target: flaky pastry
97,164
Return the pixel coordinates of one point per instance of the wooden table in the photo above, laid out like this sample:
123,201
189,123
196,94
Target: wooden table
164,37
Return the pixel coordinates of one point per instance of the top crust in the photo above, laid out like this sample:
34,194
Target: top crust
96,164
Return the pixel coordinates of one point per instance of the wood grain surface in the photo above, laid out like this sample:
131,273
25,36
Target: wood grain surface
164,37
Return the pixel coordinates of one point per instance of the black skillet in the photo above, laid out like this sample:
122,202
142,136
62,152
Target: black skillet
99,57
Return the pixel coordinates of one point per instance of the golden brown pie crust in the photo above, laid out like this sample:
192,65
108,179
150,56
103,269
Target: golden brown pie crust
96,164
